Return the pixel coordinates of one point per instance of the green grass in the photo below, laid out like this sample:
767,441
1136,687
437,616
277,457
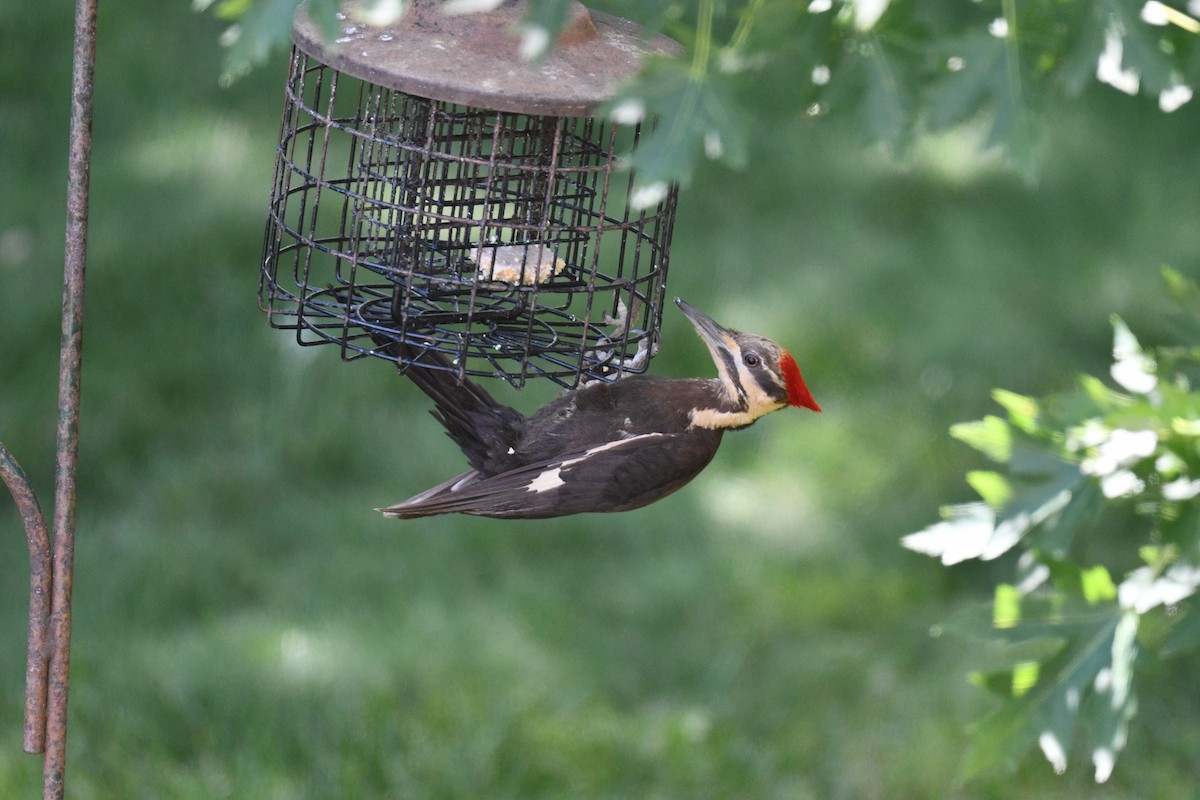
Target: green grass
246,625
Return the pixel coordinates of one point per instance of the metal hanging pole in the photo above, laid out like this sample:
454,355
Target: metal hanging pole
70,357
38,662
51,559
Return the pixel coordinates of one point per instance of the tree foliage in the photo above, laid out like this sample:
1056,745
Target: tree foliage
1073,637
899,68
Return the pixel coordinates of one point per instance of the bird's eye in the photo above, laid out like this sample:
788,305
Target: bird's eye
750,360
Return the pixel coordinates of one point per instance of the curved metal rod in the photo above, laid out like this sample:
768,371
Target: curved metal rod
39,599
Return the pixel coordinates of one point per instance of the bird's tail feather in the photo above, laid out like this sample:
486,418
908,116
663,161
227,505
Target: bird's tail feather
415,506
473,419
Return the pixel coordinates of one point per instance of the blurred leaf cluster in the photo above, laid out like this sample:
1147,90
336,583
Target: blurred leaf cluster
898,68
1073,637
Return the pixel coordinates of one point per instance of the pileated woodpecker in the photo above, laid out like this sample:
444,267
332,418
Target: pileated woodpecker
605,446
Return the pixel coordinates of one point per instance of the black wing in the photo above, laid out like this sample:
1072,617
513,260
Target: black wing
616,476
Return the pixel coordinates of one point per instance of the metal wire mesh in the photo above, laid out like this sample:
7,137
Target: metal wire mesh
504,241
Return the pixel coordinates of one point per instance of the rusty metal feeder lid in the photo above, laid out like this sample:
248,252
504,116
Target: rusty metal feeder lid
474,59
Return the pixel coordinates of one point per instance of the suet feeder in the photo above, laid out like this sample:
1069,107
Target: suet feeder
433,188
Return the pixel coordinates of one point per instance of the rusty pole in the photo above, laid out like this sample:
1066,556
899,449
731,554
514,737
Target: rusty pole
39,600
70,357
51,561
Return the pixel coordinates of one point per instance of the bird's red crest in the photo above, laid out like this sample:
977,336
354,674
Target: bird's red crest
798,393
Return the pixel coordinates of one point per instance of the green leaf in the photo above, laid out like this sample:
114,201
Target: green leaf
1151,554
548,17
1184,292
1022,410
999,683
1001,649
1189,62
1006,607
1102,397
1106,713
1046,714
1048,615
1097,585
325,12
1078,69
962,94
1184,636
1182,289
991,77
1093,584
963,534
1186,427
1025,676
886,108
1140,46
263,26
1183,529
1008,683
993,487
1038,501
231,9
692,116
1038,460
990,436
1125,344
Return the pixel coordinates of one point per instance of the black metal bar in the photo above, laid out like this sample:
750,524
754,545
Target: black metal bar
70,358
37,662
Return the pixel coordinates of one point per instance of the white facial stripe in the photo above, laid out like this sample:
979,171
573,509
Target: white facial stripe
756,402
719,358
757,398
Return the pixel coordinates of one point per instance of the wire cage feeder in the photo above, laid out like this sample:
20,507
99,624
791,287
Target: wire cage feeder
432,189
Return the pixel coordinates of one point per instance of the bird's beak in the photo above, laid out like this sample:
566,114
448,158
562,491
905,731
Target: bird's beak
714,335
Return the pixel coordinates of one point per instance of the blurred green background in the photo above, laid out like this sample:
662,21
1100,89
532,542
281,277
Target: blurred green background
247,625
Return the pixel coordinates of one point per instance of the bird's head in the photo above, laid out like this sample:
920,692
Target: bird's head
758,375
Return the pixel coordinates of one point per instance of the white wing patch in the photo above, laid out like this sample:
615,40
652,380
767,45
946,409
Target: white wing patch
544,482
600,448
